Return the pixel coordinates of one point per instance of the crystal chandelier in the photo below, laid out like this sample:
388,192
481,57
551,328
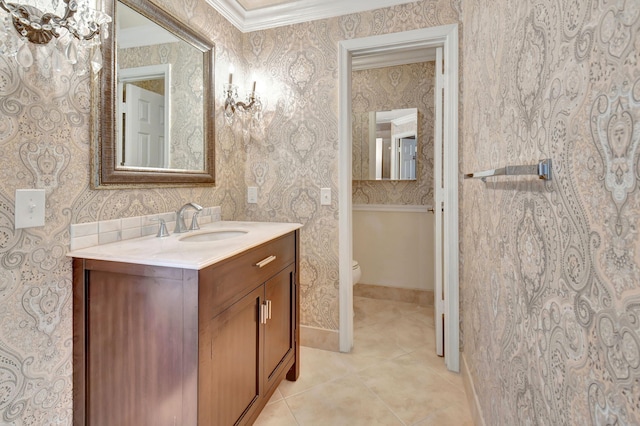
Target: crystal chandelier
252,107
66,25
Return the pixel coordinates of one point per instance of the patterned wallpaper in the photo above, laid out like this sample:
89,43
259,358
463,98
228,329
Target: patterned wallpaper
551,272
295,152
44,143
403,86
186,97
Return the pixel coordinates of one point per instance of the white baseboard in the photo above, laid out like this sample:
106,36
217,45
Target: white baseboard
472,396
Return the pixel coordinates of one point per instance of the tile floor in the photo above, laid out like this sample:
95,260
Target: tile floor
392,376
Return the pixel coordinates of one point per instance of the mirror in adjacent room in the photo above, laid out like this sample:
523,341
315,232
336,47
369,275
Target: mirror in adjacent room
154,102
385,144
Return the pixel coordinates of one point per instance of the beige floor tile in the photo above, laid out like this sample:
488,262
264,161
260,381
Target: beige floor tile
450,376
360,360
407,334
276,397
428,352
342,402
369,312
276,414
376,341
392,377
316,367
410,388
454,415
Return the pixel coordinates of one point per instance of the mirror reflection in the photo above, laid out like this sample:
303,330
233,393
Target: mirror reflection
159,121
385,144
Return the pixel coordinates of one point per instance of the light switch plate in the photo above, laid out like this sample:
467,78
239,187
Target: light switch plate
252,194
325,196
29,209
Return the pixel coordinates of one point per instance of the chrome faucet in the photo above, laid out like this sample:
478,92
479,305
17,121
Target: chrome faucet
180,225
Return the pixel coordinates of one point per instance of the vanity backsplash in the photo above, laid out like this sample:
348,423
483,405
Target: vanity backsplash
91,234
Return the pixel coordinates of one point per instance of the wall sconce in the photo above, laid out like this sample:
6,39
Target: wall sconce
252,107
73,19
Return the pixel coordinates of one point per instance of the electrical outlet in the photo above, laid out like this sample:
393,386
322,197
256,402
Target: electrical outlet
29,209
325,196
252,194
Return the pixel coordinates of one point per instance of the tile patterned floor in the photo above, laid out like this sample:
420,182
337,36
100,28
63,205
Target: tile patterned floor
392,376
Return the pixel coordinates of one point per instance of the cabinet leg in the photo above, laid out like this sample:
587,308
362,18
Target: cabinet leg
294,371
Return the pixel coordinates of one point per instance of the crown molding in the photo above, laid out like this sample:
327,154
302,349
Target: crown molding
393,58
294,12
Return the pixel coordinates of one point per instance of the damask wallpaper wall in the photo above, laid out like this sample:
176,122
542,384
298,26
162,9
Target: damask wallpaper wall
44,143
296,153
551,273
397,87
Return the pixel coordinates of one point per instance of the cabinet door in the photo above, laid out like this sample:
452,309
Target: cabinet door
279,340
229,386
135,352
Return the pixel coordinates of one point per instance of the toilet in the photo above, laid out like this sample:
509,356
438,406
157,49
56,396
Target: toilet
357,273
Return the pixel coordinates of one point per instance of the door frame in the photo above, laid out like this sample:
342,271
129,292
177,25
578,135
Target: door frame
445,36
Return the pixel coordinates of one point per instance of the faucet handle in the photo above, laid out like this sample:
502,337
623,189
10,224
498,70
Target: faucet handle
162,230
194,222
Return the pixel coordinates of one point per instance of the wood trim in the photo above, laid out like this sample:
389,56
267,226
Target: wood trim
229,280
190,345
79,392
134,269
294,372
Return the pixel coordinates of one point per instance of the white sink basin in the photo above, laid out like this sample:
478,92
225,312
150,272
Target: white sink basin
212,236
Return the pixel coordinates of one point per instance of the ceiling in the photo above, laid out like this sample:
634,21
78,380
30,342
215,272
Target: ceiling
253,15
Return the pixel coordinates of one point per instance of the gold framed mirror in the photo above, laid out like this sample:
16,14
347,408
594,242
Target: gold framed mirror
153,104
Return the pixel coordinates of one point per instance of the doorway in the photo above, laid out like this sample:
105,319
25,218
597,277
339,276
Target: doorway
446,197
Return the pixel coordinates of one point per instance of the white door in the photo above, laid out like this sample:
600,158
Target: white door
378,159
144,128
438,199
408,149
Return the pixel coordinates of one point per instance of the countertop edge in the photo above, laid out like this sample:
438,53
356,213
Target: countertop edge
109,252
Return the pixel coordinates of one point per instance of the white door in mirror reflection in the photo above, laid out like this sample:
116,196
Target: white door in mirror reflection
377,159
144,141
408,150
144,96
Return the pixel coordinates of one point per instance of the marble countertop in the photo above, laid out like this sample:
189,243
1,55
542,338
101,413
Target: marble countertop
171,252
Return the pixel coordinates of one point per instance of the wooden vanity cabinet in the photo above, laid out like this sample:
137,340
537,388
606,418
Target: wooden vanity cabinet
168,346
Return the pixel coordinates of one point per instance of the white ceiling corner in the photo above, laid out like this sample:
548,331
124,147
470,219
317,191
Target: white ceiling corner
293,12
